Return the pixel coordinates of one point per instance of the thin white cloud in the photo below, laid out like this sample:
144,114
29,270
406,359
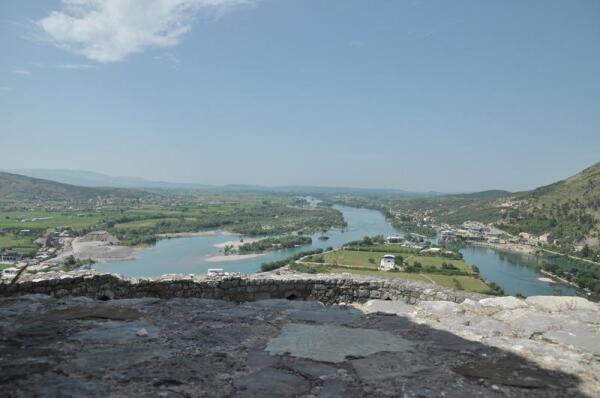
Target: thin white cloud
110,30
169,59
75,66
357,43
21,71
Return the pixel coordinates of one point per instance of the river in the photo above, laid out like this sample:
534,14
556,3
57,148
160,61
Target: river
514,273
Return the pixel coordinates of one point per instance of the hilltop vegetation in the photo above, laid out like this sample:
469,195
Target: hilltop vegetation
18,188
568,209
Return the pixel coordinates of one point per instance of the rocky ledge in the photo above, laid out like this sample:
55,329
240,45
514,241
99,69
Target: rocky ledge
190,347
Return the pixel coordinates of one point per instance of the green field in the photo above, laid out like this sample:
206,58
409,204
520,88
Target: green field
22,244
361,259
461,282
468,283
34,220
4,266
366,263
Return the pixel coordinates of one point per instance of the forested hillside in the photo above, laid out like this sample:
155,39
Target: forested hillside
568,209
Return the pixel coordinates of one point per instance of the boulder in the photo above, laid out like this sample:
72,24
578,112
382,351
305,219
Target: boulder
386,306
503,303
579,336
441,308
561,303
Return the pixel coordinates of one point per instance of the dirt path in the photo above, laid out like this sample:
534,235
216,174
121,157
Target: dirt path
428,278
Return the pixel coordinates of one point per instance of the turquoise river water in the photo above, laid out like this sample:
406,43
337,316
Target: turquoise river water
513,272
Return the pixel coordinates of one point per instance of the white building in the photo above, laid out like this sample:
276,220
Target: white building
387,263
395,239
548,239
215,271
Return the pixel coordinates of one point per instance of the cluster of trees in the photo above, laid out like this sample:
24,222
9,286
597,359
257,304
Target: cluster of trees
284,242
446,269
411,227
370,242
71,263
584,275
258,219
272,265
136,237
495,289
367,241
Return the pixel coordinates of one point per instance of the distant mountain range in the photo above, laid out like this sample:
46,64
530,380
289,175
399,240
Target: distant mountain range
92,179
14,187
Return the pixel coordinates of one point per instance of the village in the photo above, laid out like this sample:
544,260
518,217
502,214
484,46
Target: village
479,232
61,250
474,230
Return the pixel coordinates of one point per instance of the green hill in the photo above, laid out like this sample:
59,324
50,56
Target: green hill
583,187
569,209
18,188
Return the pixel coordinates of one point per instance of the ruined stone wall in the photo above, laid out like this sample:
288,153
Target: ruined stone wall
328,289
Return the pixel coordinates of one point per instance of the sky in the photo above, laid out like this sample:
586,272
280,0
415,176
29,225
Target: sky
417,95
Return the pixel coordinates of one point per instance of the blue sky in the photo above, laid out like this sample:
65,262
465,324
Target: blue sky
418,95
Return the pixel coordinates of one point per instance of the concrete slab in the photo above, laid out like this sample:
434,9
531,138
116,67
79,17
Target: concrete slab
329,343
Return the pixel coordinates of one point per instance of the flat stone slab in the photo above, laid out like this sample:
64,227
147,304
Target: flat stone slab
507,371
336,316
388,365
328,343
97,312
116,332
264,382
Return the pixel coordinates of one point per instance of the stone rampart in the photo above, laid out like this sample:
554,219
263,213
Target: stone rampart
329,289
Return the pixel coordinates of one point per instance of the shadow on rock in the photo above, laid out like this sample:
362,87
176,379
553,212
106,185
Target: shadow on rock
275,348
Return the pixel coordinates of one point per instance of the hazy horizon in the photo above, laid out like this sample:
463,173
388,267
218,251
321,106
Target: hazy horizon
36,174
420,96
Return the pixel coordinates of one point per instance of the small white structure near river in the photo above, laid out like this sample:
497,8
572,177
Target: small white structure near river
387,263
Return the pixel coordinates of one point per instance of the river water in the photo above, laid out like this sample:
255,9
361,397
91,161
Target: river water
514,273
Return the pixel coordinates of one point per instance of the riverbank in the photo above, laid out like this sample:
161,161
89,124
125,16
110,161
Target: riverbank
235,244
232,257
96,251
187,234
558,278
509,247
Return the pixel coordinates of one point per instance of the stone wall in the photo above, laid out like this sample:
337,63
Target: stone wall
328,289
